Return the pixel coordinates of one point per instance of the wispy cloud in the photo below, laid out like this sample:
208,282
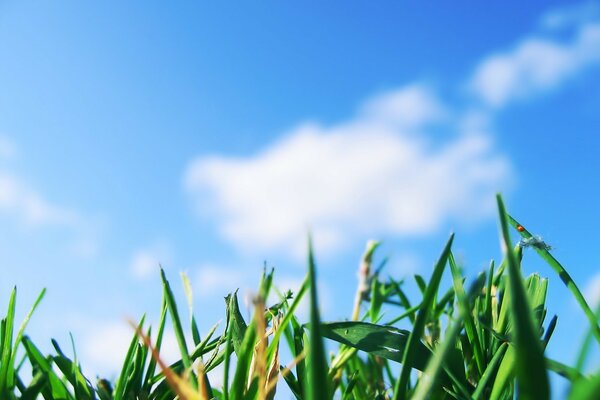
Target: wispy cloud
375,173
145,262
540,63
18,200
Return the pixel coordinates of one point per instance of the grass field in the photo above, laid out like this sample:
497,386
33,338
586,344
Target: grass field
481,338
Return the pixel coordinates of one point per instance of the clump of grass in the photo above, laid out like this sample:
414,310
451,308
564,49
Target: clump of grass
484,340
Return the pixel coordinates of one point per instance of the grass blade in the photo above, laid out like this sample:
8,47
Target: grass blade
318,371
564,277
532,377
400,389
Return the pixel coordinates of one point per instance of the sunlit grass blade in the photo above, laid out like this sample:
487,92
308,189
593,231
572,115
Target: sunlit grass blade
10,377
532,377
401,386
70,370
564,276
128,364
56,388
151,370
187,288
6,336
182,387
177,327
318,371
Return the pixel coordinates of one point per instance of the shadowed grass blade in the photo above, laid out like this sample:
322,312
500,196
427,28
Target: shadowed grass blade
318,371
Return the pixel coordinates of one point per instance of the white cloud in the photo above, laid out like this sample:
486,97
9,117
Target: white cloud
536,65
592,291
377,173
17,199
409,108
145,262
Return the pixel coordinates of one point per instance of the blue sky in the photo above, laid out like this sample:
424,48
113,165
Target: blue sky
211,138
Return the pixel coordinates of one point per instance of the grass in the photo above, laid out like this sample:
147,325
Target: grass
484,340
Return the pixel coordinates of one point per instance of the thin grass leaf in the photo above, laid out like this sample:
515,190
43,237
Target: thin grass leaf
585,346
400,388
6,368
564,276
82,387
489,372
532,378
318,373
465,311
187,288
428,381
177,327
227,361
289,314
151,370
56,387
505,375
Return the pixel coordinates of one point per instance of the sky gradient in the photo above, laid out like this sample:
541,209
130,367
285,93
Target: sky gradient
211,139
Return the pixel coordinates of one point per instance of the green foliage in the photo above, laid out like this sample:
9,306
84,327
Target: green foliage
487,342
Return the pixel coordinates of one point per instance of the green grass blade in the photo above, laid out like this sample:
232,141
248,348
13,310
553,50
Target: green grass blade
532,378
379,340
318,372
151,370
10,377
586,389
235,321
177,328
70,370
429,379
505,375
187,288
6,368
119,391
565,278
289,314
465,311
489,372
57,388
400,389
583,352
